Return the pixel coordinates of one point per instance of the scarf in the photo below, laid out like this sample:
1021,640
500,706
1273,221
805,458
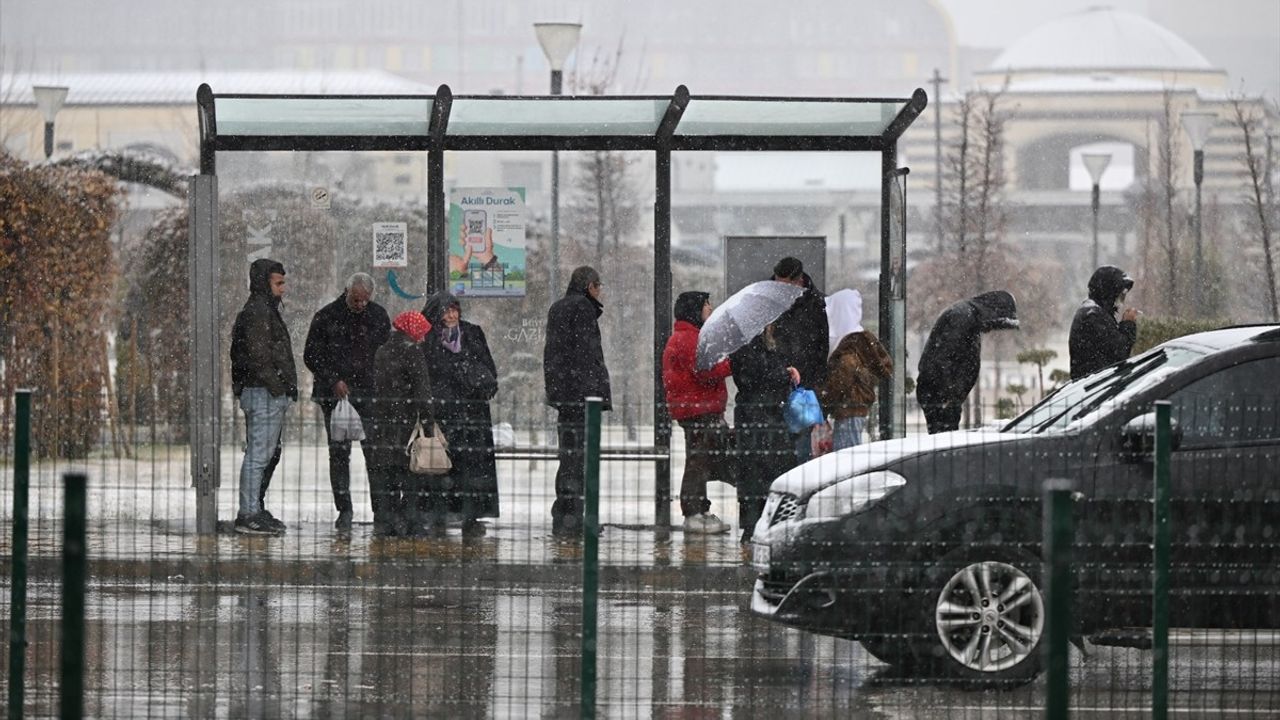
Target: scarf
451,338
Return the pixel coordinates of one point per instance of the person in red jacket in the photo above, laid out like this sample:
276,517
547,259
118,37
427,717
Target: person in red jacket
696,399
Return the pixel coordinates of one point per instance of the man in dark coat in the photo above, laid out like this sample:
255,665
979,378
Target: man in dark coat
463,381
341,343
403,503
802,336
265,380
953,354
573,370
1097,340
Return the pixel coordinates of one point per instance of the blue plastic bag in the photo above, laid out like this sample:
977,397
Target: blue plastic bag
803,410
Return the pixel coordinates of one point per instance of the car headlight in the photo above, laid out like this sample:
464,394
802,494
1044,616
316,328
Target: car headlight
852,495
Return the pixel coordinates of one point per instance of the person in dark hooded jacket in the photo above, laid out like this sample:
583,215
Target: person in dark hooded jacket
265,380
952,355
573,370
463,381
802,337
1097,340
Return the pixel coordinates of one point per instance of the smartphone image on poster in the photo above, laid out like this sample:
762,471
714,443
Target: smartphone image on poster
476,222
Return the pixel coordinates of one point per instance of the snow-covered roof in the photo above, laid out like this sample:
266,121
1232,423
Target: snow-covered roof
1100,38
179,88
1094,83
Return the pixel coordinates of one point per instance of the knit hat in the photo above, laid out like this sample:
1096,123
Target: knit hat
413,324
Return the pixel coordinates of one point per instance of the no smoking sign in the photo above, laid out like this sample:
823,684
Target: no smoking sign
320,198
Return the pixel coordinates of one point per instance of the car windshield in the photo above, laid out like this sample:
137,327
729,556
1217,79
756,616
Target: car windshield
1081,397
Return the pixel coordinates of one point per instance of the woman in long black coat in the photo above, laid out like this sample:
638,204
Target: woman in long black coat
463,381
403,503
765,447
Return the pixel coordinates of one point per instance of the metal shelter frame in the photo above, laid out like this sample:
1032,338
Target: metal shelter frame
446,123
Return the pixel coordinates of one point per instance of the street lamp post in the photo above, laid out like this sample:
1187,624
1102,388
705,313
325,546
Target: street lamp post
1096,164
1198,126
558,41
49,99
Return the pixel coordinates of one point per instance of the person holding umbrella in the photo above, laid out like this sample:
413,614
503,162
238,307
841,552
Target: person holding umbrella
696,400
742,330
801,334
765,446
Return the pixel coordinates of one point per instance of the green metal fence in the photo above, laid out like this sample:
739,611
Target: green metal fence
943,583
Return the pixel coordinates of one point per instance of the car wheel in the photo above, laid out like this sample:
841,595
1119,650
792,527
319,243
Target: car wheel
987,616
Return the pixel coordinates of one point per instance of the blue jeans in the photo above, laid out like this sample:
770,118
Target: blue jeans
847,433
263,423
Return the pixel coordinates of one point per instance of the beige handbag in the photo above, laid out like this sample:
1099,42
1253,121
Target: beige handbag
428,454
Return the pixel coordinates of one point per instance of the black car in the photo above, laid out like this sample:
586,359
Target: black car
927,549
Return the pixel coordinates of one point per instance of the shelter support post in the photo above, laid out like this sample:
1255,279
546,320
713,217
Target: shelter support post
437,211
206,351
892,296
661,332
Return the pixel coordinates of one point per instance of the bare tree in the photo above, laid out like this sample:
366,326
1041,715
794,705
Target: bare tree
1167,172
974,257
1261,192
973,182
603,203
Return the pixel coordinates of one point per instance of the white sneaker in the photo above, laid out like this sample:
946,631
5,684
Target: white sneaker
714,524
705,524
696,524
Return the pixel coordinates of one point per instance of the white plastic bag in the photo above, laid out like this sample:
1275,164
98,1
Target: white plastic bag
504,436
344,423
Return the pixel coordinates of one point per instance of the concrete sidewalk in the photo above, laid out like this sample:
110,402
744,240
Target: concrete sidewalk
142,527
317,554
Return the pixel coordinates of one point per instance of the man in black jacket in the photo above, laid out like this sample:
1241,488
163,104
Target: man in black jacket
573,370
341,343
802,339
263,377
1097,340
952,355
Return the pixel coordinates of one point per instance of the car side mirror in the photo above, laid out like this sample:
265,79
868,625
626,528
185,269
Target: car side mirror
1138,437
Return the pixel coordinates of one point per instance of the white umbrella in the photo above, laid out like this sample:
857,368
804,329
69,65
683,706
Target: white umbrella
844,316
741,317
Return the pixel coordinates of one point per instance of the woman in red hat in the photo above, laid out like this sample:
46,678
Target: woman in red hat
403,503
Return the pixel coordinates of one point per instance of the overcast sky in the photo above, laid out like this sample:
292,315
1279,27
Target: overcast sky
996,23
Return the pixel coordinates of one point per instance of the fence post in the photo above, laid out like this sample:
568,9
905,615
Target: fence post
1160,566
590,558
1058,535
18,576
74,569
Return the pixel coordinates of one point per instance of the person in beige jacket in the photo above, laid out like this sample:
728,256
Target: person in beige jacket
858,363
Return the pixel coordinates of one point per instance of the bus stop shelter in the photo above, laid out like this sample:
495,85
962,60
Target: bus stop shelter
441,123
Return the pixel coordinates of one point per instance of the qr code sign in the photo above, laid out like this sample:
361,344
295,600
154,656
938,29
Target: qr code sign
390,245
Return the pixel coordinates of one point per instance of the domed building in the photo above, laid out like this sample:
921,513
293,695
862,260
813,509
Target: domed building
1097,82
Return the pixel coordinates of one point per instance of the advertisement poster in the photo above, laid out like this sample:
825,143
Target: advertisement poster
487,242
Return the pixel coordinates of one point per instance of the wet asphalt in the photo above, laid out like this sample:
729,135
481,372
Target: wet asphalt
420,649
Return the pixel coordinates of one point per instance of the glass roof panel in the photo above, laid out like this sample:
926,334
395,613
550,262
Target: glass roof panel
315,116
555,116
708,116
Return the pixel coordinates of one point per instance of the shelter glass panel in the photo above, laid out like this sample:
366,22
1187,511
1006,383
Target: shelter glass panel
314,116
787,117
556,117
